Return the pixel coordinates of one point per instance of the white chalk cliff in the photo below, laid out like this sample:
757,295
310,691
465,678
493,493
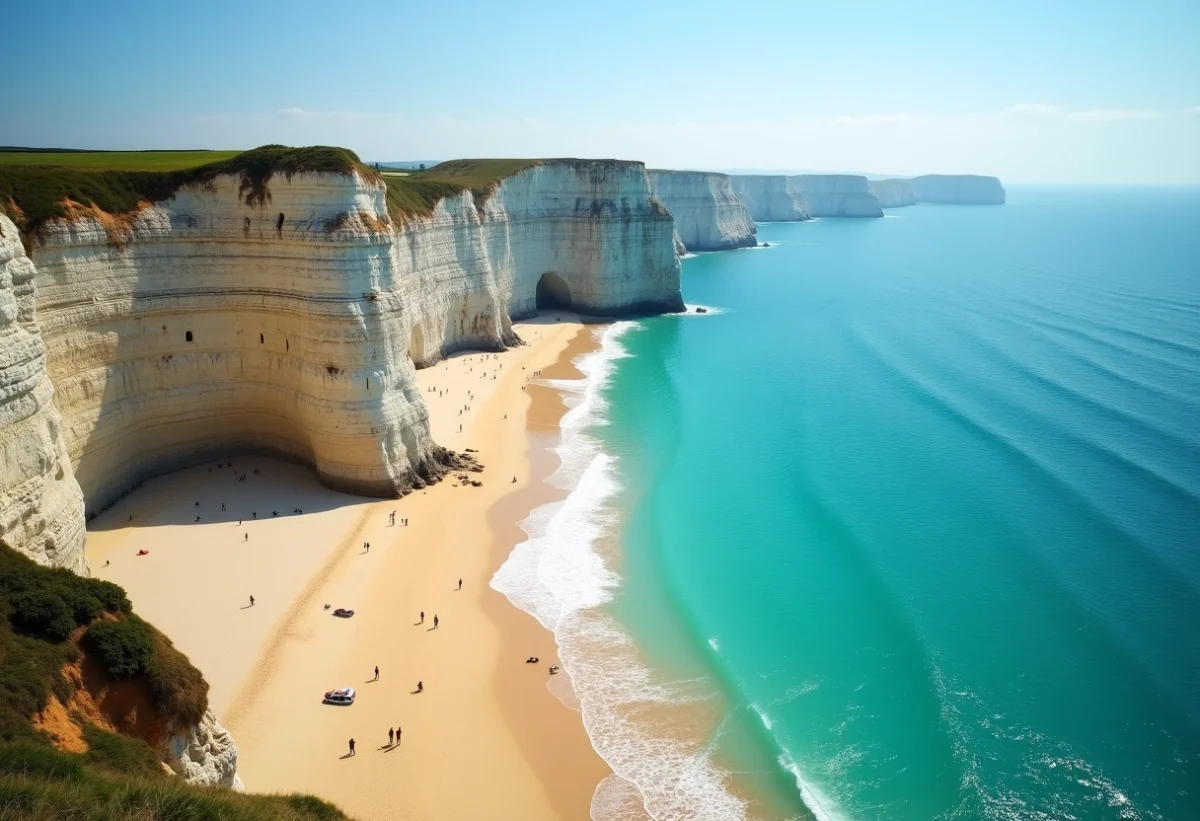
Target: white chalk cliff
212,326
708,215
958,189
893,193
204,755
836,195
949,189
769,198
41,505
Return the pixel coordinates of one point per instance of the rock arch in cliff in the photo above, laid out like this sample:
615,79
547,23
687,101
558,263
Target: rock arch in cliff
553,292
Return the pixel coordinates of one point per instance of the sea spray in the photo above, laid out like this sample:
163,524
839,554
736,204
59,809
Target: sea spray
559,577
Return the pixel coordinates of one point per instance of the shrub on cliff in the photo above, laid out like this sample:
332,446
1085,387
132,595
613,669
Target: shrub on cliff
122,647
130,647
41,613
177,689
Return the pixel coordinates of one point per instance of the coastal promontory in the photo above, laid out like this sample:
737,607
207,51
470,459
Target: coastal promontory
708,215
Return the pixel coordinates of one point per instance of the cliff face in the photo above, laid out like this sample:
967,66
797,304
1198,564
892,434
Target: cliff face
836,195
958,189
41,506
204,754
708,215
893,193
769,198
206,325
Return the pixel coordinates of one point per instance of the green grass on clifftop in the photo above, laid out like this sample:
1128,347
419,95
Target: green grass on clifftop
115,160
419,192
32,195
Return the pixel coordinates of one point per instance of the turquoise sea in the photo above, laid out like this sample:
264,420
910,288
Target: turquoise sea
907,527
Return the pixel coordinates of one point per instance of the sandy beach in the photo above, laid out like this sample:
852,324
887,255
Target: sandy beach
485,738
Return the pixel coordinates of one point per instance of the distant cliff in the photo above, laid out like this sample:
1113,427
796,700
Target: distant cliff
958,189
769,198
708,215
893,193
836,195
948,189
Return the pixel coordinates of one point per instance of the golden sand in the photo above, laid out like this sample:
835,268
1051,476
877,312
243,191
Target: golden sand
485,739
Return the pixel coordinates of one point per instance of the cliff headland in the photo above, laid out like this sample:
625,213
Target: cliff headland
947,189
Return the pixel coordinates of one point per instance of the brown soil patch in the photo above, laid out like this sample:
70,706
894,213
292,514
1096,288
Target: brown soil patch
55,721
117,706
118,227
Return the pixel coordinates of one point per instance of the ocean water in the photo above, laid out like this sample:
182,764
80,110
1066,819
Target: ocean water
907,527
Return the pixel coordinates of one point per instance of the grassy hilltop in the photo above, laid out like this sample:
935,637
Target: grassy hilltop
62,637
37,186
113,160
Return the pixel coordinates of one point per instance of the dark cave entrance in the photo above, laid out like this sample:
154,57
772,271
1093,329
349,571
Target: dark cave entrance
553,292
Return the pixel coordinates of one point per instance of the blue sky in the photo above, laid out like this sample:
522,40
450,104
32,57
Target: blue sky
1031,91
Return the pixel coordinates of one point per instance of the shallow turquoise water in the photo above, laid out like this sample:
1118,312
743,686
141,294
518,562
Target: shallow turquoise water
925,494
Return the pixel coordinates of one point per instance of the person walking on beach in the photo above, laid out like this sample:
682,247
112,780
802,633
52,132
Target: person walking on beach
422,617
435,621
376,672
391,736
352,746
460,584
420,686
247,535
398,732
251,601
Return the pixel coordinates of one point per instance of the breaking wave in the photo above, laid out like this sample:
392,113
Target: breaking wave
558,576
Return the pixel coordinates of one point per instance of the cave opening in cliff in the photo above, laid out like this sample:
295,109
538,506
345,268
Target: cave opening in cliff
416,345
553,292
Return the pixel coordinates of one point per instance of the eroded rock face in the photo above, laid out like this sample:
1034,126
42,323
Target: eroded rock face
708,215
893,193
836,195
769,198
958,189
41,505
204,755
293,329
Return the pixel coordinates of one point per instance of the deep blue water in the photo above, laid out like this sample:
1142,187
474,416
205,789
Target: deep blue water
922,500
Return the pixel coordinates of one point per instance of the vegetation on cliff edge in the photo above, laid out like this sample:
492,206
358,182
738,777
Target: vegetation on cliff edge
418,193
32,195
51,619
112,160
39,186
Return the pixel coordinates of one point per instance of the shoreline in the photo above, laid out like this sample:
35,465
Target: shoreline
481,735
541,743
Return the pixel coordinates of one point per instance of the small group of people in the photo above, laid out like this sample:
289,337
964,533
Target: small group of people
392,520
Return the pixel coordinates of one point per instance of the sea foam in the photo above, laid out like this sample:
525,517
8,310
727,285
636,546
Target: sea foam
558,576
